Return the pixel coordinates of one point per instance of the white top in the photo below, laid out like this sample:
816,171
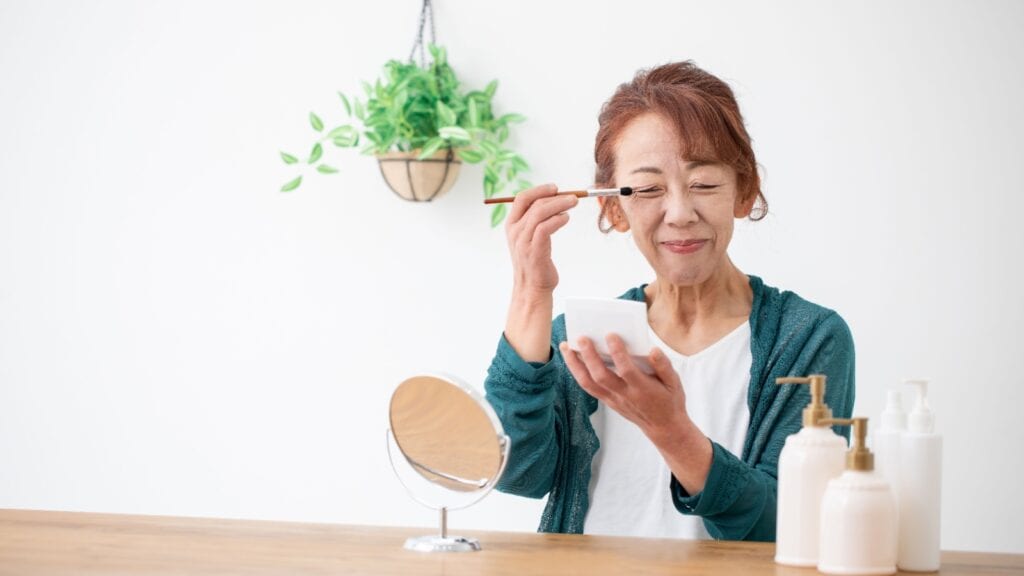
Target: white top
629,485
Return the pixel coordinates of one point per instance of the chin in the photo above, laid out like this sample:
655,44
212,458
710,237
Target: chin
688,277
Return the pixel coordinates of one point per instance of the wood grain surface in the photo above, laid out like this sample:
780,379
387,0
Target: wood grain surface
51,543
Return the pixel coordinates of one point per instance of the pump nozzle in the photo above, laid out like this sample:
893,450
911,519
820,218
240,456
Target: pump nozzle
817,410
859,457
920,420
894,417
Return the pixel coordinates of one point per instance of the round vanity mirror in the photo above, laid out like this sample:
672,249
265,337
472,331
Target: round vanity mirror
449,436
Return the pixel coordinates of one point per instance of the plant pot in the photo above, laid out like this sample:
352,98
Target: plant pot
419,180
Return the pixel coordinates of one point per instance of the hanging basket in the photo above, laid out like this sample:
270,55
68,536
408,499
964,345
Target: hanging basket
419,180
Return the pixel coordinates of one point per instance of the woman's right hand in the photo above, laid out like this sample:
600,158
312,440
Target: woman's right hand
535,215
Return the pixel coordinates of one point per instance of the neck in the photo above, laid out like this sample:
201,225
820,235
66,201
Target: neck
724,295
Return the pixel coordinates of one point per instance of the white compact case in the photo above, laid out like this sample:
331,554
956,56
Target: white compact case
595,318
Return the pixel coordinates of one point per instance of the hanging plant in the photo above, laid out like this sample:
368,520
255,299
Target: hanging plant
421,126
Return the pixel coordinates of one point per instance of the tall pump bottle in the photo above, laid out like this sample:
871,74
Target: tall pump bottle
920,490
888,438
859,518
809,459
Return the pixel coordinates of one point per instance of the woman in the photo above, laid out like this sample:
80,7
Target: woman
692,450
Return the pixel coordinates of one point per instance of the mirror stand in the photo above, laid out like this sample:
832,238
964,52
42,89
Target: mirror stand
444,542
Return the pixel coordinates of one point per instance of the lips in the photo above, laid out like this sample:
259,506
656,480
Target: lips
684,246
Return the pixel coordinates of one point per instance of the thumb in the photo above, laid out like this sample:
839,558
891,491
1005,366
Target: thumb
662,367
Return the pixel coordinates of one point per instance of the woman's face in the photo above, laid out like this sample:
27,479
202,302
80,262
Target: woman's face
681,212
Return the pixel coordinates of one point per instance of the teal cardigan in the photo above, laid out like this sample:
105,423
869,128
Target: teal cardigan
547,416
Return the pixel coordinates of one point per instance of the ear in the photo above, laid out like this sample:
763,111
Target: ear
612,210
743,207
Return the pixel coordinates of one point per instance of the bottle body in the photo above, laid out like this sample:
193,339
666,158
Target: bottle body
809,459
920,502
887,447
859,525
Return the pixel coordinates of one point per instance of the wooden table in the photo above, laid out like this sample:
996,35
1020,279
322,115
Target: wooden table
38,542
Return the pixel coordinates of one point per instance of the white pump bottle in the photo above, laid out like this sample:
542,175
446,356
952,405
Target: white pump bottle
809,459
888,438
920,493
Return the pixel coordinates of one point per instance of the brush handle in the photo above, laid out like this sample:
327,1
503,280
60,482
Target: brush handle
504,199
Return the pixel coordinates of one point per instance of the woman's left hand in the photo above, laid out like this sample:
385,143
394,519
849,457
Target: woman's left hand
654,402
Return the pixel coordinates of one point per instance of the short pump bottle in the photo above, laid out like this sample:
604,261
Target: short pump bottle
889,436
809,459
920,489
859,517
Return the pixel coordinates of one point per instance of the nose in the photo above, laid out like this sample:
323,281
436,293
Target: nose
680,209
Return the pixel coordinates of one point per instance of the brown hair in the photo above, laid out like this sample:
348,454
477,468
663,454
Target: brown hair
704,112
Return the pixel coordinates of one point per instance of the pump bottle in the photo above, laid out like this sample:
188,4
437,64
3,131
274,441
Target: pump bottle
888,438
809,459
920,487
859,517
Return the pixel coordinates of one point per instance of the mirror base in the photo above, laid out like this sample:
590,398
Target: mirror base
439,544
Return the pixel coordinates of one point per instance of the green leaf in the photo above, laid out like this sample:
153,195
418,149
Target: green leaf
359,110
490,186
316,153
325,169
345,131
292,185
489,148
471,156
445,116
511,119
474,116
317,124
498,214
348,107
491,88
520,164
288,158
432,145
454,133
346,141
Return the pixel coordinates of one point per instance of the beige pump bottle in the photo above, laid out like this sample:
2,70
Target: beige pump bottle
859,517
809,459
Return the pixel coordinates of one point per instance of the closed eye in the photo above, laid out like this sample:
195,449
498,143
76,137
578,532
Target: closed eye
647,191
704,187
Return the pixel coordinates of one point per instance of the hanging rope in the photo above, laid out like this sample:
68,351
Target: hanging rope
426,13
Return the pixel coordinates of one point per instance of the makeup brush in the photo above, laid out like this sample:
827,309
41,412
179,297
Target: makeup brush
624,191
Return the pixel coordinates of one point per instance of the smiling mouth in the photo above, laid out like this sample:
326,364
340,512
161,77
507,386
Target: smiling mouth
684,246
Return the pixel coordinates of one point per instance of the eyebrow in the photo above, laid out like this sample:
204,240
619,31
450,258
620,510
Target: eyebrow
656,170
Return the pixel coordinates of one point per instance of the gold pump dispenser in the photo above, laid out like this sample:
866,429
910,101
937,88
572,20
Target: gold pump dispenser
859,457
817,411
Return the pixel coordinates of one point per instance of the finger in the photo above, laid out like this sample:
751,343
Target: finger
548,227
580,373
544,208
525,198
539,212
599,372
663,368
625,366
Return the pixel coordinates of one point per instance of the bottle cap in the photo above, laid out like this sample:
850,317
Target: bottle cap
894,417
817,410
921,420
859,457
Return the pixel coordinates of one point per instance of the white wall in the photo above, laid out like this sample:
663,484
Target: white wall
177,337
